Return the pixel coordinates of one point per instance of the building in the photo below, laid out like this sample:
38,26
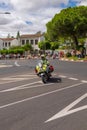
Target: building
33,39
5,43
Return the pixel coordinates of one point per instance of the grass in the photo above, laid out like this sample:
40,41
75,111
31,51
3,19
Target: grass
75,58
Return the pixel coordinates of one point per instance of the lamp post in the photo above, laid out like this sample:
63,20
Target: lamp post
5,13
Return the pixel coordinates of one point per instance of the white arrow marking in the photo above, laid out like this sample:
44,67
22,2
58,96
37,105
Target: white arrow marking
66,111
16,63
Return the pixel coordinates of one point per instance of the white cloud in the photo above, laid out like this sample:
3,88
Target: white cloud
83,2
36,4
27,16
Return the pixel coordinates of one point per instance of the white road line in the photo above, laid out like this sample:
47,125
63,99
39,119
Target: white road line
38,96
15,78
73,78
66,111
27,75
83,81
62,76
12,80
19,87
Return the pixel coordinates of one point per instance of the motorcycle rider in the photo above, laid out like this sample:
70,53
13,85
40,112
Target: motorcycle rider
45,63
43,69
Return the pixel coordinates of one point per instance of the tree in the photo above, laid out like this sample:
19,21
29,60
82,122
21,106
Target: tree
54,45
70,22
18,35
44,45
27,47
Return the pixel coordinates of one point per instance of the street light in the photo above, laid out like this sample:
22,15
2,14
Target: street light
5,13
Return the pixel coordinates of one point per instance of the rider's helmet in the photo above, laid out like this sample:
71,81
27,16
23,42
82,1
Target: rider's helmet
43,57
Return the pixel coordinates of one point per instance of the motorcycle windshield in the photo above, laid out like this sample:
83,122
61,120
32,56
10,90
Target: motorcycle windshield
39,63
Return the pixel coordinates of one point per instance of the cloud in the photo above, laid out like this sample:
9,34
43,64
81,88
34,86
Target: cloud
28,16
36,4
83,2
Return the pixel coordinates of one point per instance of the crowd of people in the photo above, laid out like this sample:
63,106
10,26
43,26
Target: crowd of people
52,54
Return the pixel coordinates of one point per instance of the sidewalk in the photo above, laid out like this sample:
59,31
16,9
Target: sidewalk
78,60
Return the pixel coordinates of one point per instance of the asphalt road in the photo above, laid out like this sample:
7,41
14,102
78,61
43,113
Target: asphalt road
28,104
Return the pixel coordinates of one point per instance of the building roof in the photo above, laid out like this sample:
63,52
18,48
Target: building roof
31,35
38,34
7,39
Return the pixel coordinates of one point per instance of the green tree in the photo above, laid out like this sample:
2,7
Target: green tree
70,22
18,35
54,45
41,45
27,47
44,45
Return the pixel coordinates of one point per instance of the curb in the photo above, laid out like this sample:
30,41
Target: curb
1,66
73,60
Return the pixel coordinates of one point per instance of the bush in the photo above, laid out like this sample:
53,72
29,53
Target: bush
68,54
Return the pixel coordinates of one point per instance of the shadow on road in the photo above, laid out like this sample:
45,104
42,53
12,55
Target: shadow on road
55,80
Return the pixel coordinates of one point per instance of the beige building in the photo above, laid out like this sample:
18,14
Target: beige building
32,39
5,43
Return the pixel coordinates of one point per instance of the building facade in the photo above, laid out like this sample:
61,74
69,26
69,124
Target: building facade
33,39
6,43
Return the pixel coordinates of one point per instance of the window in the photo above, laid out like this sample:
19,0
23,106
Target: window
23,42
27,41
32,42
36,42
5,44
9,44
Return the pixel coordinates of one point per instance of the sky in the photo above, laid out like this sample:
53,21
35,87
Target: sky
30,16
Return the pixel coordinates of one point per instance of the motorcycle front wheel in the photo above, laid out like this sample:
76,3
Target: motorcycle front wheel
44,78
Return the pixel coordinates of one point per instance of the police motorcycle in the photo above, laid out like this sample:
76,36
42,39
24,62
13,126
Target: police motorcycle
44,71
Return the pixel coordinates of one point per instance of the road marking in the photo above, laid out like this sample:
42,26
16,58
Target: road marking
38,96
73,78
19,87
40,85
83,81
27,75
16,63
66,111
12,80
15,78
62,76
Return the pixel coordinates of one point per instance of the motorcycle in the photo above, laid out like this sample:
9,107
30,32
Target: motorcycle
44,71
